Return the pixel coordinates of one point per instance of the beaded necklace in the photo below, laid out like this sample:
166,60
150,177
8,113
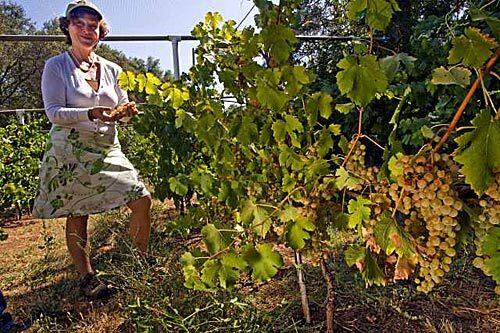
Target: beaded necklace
88,68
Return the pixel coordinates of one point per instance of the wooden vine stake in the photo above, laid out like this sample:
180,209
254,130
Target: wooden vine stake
487,68
330,294
302,286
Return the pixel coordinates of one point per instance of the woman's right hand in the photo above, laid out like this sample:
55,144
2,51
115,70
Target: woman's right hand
101,113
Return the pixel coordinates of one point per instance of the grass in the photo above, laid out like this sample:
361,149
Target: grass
41,285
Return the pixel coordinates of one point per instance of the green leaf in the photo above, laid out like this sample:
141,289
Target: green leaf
390,66
457,75
479,152
126,80
280,40
361,80
257,217
210,272
152,83
231,266
279,130
395,167
345,108
493,22
355,7
491,242
177,186
191,276
212,238
345,180
293,124
298,227
263,260
491,248
472,49
378,12
492,267
248,131
391,238
359,211
355,255
325,105
325,142
427,132
372,273
141,82
177,97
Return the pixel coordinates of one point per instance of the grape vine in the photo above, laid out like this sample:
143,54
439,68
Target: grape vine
270,165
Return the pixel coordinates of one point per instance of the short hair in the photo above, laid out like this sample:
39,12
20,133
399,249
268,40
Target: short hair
80,12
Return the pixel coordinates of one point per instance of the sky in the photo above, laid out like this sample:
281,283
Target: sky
149,17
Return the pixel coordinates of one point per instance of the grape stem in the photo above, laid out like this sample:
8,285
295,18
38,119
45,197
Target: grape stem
356,137
397,203
491,62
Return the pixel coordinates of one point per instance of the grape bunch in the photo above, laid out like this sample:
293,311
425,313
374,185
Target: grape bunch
424,194
487,219
357,166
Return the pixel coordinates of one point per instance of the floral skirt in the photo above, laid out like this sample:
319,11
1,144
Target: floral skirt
84,173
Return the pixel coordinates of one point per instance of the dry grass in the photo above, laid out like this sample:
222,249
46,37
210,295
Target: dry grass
37,277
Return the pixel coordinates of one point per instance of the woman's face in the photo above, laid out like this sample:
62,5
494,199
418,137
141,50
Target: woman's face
84,31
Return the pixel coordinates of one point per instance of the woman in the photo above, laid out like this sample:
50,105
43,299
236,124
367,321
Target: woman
83,169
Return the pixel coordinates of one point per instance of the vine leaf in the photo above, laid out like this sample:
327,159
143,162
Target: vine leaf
358,211
391,238
395,167
298,227
231,266
212,238
345,180
491,248
472,49
479,151
324,143
457,75
372,273
263,260
191,276
177,96
210,272
366,264
378,12
280,41
404,268
361,79
494,23
177,186
345,108
257,217
355,255
126,80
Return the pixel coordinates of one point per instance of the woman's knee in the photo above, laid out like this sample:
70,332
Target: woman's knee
141,204
76,222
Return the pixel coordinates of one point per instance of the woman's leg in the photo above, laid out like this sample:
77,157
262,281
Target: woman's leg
140,223
76,240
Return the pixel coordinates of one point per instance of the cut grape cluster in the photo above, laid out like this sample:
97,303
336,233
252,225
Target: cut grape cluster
424,193
487,219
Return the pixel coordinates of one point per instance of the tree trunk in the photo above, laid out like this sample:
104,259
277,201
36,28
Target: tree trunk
302,286
330,297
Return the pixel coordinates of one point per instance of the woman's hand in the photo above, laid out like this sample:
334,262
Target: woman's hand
126,110
102,113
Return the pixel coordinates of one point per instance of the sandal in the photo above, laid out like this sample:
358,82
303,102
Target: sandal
92,287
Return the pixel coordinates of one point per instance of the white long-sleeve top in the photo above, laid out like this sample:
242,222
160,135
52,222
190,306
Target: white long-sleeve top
67,97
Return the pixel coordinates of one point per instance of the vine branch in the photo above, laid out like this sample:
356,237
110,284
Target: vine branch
491,62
